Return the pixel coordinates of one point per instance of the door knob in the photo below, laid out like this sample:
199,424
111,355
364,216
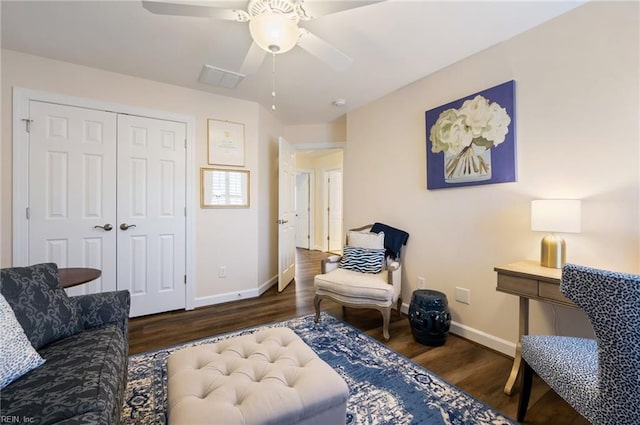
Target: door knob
283,221
125,226
107,227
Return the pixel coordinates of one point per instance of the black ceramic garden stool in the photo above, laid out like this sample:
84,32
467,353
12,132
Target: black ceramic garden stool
429,317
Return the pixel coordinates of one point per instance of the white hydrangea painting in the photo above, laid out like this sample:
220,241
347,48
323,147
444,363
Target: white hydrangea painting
471,141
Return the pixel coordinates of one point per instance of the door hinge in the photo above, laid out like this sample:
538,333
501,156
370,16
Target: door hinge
185,143
185,211
27,212
27,123
185,279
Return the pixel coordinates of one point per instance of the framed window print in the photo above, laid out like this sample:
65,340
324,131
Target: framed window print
222,188
225,143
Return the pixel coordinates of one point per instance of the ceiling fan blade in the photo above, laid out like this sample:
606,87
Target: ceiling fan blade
194,9
316,8
324,51
253,60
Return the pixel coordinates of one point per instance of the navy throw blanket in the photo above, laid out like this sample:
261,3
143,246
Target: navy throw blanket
393,238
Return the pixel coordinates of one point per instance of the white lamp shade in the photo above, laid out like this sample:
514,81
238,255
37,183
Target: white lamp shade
556,215
274,32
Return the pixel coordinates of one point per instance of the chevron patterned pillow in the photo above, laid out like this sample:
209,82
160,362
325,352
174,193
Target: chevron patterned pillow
363,260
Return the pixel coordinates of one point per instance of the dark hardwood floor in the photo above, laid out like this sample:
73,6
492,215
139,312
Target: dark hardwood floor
475,369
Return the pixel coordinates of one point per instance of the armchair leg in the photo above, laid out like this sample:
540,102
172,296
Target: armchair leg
525,391
399,307
386,316
316,302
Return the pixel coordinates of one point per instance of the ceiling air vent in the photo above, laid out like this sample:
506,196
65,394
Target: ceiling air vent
220,77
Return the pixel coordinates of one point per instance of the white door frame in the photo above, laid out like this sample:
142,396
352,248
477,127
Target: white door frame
312,204
309,177
326,230
21,98
312,208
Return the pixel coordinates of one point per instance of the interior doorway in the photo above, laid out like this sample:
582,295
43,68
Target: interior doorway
318,164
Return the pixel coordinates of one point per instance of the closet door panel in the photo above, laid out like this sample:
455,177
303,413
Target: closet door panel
151,213
72,173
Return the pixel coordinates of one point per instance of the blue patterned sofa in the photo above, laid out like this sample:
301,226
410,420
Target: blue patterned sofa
84,343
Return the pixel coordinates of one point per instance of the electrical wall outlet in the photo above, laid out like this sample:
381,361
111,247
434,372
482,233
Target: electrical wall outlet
420,282
222,271
463,295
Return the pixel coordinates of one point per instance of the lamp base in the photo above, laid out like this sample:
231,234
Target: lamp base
552,252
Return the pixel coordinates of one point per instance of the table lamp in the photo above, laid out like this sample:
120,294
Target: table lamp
554,215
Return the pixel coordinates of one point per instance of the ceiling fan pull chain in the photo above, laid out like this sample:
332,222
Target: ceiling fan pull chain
273,83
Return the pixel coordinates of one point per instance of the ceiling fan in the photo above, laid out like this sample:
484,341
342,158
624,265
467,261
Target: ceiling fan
273,24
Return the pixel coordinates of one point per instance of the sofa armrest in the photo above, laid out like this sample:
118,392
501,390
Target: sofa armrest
330,263
96,310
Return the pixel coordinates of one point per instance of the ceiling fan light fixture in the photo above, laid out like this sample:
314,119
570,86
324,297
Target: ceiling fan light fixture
274,32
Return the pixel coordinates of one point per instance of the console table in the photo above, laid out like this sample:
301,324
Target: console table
529,281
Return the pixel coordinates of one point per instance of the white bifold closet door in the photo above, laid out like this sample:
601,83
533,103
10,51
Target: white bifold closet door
151,197
107,191
72,175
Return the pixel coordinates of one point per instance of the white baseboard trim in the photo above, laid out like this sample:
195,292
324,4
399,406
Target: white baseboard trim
223,298
268,284
490,341
233,296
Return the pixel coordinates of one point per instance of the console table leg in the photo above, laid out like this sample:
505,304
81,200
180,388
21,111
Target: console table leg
523,329
515,371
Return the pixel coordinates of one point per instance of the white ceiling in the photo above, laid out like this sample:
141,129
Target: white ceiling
392,43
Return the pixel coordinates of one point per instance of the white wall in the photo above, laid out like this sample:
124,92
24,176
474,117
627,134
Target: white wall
577,107
222,235
332,132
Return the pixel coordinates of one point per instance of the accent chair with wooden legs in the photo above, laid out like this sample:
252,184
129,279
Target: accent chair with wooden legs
367,275
599,378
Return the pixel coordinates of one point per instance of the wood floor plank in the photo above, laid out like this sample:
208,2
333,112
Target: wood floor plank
476,369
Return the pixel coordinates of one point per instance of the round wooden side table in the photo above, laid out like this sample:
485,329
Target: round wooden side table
74,276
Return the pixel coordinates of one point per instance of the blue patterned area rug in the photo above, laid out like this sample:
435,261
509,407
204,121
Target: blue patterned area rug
384,386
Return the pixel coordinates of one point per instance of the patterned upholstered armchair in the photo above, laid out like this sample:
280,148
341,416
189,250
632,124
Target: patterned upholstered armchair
600,378
367,275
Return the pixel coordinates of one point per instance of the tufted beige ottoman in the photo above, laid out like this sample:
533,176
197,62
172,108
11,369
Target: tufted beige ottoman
269,377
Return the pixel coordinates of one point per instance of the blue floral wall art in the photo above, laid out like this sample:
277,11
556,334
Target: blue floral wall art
472,141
